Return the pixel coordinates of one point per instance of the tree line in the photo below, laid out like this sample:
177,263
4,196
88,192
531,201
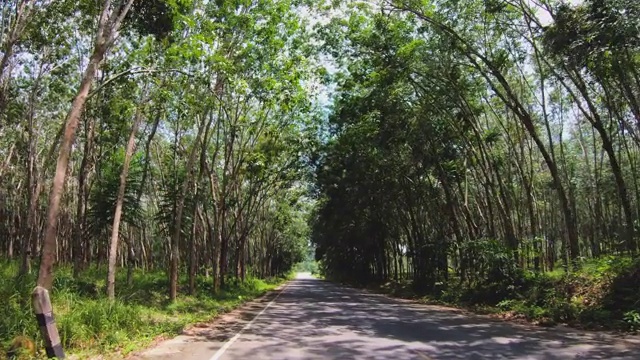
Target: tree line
162,134
476,138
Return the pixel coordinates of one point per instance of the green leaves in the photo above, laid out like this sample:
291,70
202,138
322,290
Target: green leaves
155,17
102,201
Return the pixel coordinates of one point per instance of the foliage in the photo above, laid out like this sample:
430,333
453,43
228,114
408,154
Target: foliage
632,320
309,264
90,324
477,153
102,200
591,297
218,178
583,299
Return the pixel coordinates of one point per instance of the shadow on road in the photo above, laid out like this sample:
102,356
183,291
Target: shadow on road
313,319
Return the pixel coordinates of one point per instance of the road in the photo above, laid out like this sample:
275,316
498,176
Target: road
313,319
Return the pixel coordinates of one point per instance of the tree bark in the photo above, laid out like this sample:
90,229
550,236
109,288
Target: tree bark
45,275
78,256
115,228
107,33
177,231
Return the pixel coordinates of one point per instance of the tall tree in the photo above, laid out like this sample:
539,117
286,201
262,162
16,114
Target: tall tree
109,23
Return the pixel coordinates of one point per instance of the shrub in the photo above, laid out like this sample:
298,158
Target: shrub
87,320
603,293
632,320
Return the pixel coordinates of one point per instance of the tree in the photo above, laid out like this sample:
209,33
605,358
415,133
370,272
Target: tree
217,95
109,23
457,140
115,227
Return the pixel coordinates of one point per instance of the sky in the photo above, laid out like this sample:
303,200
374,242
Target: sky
324,92
544,16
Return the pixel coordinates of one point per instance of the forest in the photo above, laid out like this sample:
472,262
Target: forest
153,160
162,161
486,153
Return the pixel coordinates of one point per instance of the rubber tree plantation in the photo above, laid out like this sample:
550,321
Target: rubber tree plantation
163,161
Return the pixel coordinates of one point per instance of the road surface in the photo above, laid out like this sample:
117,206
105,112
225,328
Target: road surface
313,319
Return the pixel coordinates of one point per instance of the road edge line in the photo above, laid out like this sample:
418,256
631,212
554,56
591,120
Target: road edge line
230,342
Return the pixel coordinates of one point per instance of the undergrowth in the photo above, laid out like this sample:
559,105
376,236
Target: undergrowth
603,294
88,323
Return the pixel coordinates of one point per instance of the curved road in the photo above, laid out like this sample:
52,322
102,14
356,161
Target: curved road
313,319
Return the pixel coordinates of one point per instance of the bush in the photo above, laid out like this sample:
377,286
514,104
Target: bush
593,317
16,317
603,294
632,320
624,281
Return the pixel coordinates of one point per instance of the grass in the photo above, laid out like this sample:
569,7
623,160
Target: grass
90,324
602,295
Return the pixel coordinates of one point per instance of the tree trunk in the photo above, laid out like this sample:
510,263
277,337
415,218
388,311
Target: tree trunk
192,250
491,73
45,275
108,26
177,231
78,256
115,228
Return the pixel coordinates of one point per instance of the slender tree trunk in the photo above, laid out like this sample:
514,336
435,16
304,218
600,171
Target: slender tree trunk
7,160
78,256
597,123
117,215
177,231
45,275
109,24
491,72
32,220
192,250
14,34
147,158
224,249
215,230
131,256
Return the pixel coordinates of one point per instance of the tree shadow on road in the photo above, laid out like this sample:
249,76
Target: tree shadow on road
318,320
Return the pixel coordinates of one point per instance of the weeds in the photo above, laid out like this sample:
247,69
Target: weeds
603,294
89,323
632,320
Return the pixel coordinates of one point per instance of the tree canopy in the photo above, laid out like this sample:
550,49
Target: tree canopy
187,147
433,141
478,138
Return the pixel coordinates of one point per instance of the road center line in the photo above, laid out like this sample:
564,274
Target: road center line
230,342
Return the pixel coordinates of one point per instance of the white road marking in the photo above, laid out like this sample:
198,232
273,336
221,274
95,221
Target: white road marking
230,342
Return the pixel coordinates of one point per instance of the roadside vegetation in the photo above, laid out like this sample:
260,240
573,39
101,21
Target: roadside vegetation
161,159
154,161
486,153
601,296
309,264
90,324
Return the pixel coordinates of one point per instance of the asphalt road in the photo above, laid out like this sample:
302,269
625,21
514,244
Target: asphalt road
313,319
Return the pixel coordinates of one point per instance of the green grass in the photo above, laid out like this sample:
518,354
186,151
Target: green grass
90,324
602,294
